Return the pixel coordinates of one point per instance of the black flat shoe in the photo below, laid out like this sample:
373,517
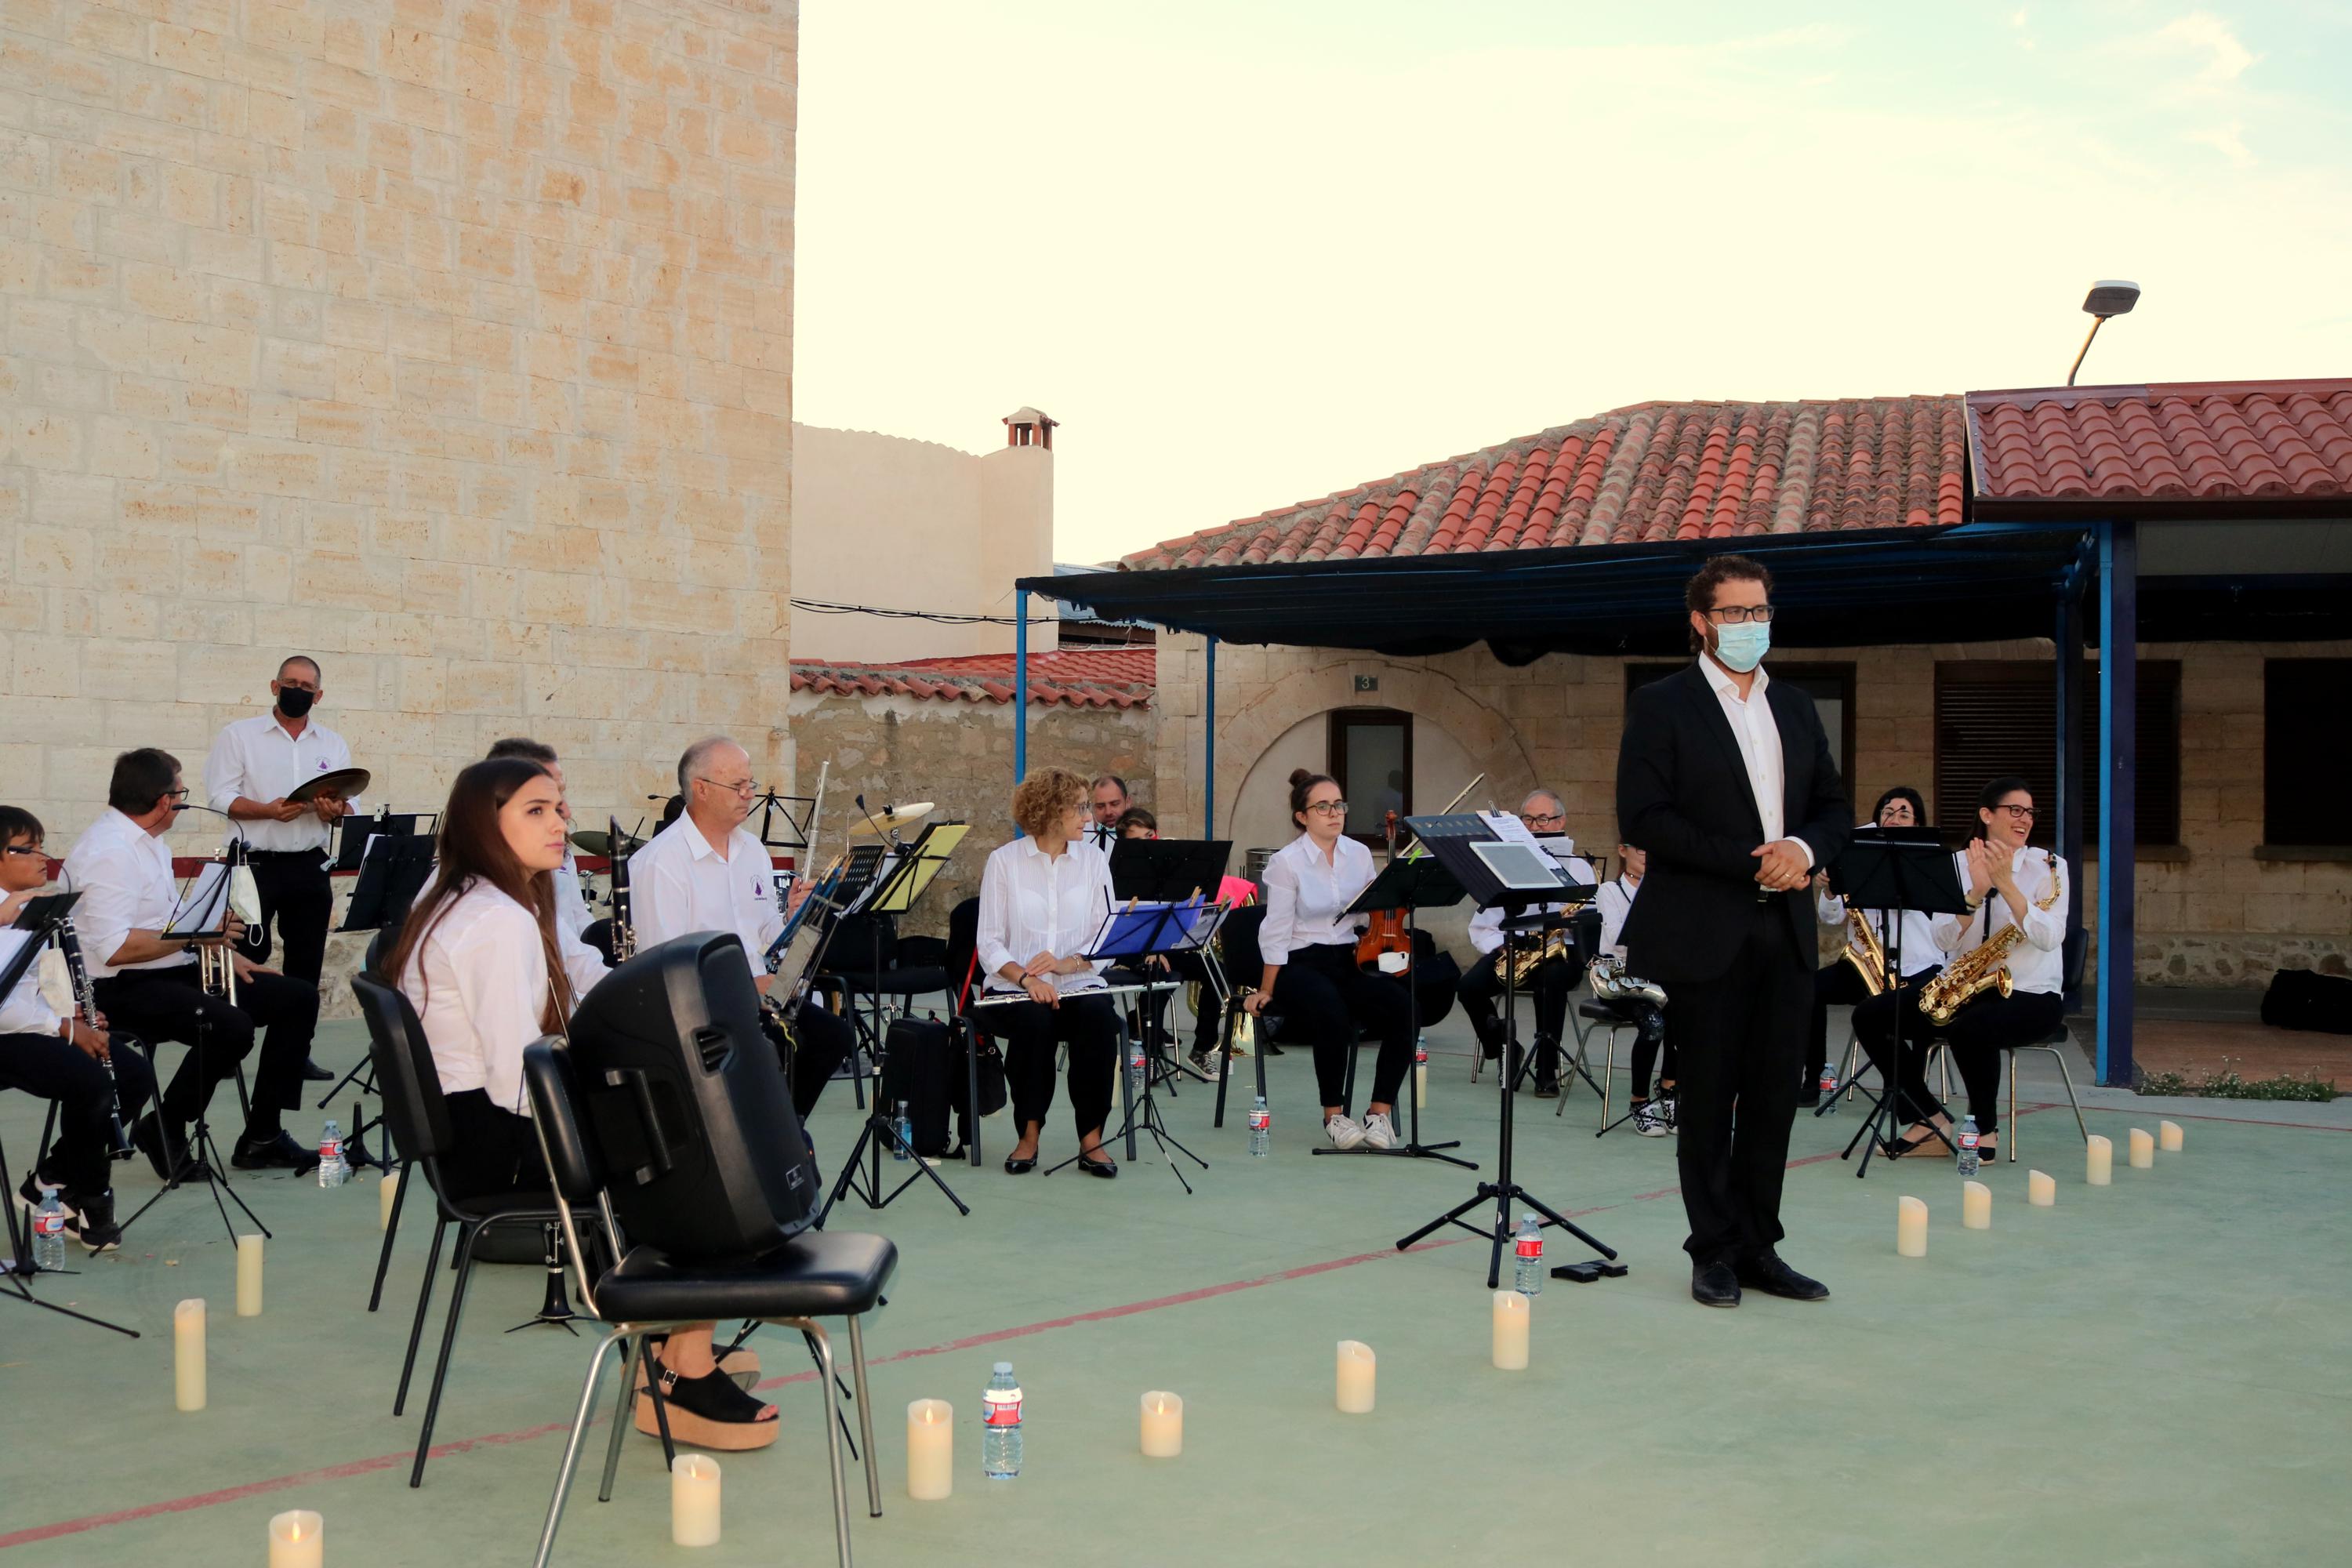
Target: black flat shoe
312,1073
1105,1169
1715,1285
1013,1167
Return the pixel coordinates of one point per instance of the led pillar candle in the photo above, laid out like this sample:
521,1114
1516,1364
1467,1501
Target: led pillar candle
1511,1314
1356,1368
2099,1163
248,1276
1976,1205
296,1539
188,1354
2142,1150
386,1192
2040,1189
1164,1425
930,1450
1911,1227
2169,1136
694,1500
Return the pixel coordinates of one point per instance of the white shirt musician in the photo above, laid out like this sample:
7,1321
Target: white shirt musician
1840,983
1545,815
1652,1118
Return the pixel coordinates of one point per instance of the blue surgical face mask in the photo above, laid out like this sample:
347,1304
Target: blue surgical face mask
1742,648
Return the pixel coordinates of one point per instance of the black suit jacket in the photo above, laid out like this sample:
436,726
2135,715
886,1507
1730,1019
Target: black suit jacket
1682,795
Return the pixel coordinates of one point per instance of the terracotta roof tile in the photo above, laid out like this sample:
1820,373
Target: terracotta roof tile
1654,471
1077,677
2182,441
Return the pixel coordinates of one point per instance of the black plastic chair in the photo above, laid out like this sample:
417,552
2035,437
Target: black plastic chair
419,1119
815,1274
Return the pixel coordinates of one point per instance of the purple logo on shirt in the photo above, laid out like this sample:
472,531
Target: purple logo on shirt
322,764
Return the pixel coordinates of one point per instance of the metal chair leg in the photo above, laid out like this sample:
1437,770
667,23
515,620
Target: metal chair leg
391,1232
571,1446
865,1416
632,1351
828,1392
424,1299
448,1346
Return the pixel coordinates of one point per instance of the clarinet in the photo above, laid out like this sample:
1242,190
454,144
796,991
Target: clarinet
86,1004
624,936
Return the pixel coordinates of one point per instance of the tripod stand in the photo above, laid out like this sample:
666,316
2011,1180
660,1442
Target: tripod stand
1888,870
201,1159
1411,884
1449,839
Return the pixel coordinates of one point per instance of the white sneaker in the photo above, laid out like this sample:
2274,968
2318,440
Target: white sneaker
1647,1122
1666,1106
1205,1064
1343,1133
1379,1132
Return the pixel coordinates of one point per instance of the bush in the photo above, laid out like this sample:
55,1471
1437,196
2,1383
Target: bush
2227,1083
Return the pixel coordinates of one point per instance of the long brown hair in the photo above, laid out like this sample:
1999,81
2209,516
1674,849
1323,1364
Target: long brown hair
471,846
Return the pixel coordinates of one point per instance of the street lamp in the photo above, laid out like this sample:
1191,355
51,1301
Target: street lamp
2109,297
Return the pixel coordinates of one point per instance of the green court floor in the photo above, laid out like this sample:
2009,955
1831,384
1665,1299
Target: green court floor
2156,1372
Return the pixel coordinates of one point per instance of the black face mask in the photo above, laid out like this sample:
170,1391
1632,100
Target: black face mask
294,702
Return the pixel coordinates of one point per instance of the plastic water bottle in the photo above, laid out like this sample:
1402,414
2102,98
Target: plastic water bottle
1529,1247
1969,1137
333,1169
1136,1070
905,1130
1829,1085
1000,1434
1421,1072
1261,1129
49,1231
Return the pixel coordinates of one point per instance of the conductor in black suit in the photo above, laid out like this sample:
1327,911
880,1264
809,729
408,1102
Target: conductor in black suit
1726,779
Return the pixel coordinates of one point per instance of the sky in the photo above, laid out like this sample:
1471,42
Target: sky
1250,253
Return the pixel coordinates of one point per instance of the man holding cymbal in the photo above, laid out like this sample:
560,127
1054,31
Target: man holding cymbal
283,778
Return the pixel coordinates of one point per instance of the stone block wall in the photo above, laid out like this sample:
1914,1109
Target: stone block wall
958,755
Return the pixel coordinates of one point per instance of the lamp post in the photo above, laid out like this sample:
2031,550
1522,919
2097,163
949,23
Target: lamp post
2109,297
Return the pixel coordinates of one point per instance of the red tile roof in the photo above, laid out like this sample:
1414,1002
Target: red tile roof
1654,471
1079,678
2181,442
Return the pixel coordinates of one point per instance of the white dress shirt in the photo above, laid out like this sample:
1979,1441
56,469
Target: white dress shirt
1921,950
572,915
257,758
1487,925
1032,902
1615,901
124,874
2038,962
24,1010
1306,895
1760,747
478,983
678,883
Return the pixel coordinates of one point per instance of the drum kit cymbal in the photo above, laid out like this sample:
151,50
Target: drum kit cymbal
890,818
597,841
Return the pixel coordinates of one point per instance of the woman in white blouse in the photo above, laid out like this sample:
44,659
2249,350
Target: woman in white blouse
1042,898
488,969
1308,946
2008,883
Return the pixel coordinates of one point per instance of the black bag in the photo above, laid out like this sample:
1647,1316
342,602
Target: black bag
923,1070
2299,999
1436,977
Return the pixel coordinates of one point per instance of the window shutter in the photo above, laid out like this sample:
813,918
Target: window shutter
1996,717
2306,751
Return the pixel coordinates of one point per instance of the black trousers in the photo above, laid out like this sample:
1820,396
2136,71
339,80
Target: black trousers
49,1067
822,1042
1324,998
1837,986
1985,1026
1738,1040
1651,1023
159,1004
1030,1030
1554,978
298,900
492,1151
1181,966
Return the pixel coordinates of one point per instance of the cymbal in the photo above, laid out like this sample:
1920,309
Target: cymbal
891,817
342,783
597,841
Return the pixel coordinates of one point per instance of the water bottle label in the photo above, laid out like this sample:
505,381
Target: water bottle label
48,1224
329,1149
1968,1140
1260,1121
1531,1246
1829,1080
1000,1407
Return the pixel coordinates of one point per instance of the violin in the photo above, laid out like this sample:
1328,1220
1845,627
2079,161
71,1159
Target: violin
1386,932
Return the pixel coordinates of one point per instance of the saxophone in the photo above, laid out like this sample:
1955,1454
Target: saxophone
1864,951
1611,983
1528,957
1984,967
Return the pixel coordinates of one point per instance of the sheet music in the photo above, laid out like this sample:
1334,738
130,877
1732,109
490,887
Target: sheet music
1511,829
202,908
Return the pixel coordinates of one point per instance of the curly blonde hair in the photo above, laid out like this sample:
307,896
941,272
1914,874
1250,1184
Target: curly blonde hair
1039,800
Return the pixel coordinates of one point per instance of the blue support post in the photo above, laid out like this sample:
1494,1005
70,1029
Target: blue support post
2118,799
1209,748
2067,824
1020,685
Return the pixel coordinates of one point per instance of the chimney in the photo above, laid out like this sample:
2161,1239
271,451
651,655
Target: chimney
1027,428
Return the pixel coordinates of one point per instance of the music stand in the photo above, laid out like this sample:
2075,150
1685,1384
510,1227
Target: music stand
917,867
353,834
1892,870
394,860
845,889
1411,883
1451,839
1170,870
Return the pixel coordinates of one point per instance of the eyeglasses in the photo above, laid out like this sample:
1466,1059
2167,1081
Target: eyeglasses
1733,615
1329,807
1544,818
26,850
179,794
748,788
2017,813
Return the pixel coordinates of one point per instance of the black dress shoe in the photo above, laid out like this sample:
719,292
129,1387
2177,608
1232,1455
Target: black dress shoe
278,1153
1103,1168
1765,1272
314,1073
1715,1285
1547,1085
1013,1167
